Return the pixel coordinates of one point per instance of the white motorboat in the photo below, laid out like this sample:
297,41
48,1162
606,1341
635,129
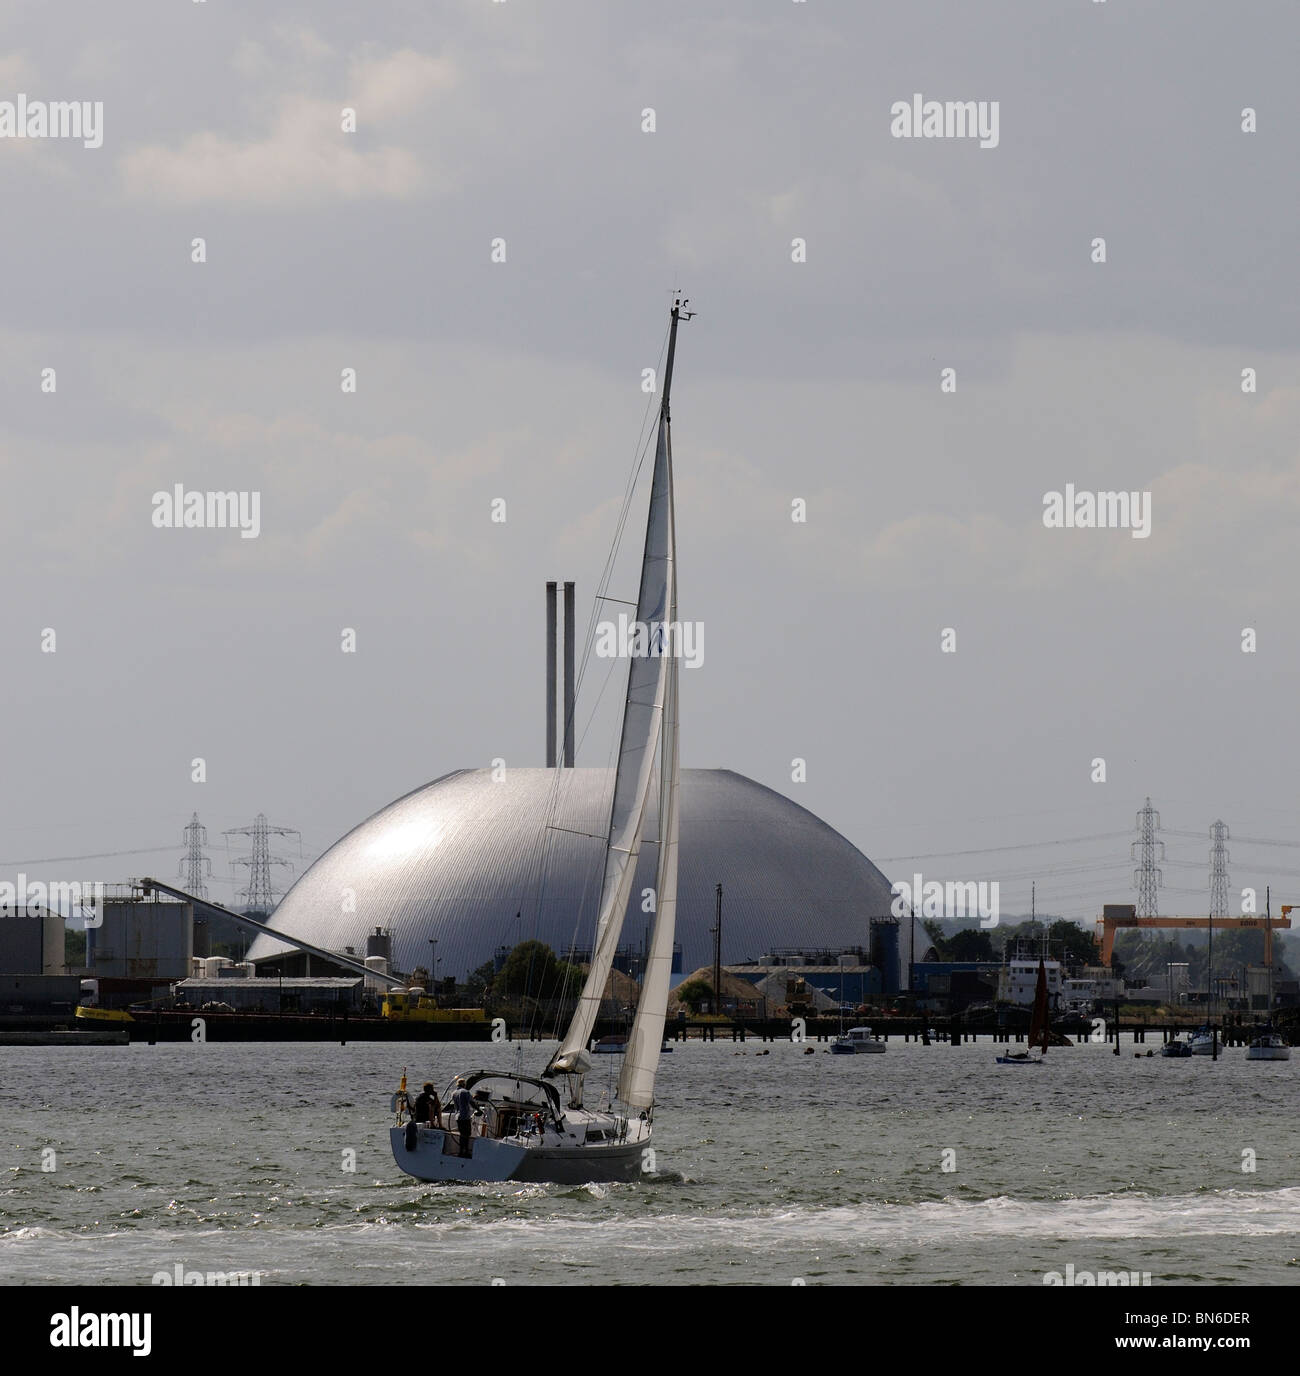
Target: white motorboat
1268,1046
858,1041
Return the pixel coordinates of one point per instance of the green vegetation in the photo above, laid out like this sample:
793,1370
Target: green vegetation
480,980
970,944
532,970
74,948
694,993
956,943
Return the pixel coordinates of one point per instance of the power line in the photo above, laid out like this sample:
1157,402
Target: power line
96,855
990,850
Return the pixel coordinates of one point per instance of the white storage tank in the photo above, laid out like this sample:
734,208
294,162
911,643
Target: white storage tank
380,966
53,937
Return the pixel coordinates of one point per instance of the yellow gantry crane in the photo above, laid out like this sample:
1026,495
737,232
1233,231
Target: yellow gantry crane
1118,915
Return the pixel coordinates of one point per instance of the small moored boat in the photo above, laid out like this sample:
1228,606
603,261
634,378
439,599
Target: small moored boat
858,1041
1268,1046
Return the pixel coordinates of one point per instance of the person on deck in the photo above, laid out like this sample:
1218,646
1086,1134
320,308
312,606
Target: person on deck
427,1108
463,1103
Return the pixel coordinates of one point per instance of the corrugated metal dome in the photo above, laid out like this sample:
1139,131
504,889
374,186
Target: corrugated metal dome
457,859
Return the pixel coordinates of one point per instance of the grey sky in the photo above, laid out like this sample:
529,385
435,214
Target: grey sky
522,380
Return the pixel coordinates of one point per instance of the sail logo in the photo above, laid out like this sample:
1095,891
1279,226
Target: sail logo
179,509
1073,1277
58,897
945,119
931,898
53,119
629,639
1073,510
75,1329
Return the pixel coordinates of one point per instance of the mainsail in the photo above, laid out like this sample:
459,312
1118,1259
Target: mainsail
1040,1026
636,1084
642,715
651,690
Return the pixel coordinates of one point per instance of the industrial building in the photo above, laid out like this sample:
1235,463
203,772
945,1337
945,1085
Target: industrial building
38,994
143,939
852,975
32,979
473,862
31,941
319,994
480,860
951,986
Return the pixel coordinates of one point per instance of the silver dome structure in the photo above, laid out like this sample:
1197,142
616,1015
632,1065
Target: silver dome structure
477,863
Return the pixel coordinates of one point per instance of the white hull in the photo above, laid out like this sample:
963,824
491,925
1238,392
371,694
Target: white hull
859,1042
555,1160
1268,1049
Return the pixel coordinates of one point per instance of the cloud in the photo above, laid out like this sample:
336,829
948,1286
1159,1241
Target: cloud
305,157
16,72
386,88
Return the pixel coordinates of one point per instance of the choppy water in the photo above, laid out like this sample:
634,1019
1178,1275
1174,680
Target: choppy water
771,1169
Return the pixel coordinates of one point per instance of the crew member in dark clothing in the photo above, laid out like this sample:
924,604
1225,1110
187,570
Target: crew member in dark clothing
463,1103
427,1108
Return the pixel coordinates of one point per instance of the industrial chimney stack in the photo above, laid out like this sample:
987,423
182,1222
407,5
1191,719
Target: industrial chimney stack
552,674
568,676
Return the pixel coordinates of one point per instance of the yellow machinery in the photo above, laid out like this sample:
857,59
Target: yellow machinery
417,1006
89,1014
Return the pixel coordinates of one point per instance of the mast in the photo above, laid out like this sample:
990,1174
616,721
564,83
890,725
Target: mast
717,953
636,1083
650,671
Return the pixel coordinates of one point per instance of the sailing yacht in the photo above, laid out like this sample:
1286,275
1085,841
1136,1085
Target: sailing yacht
1040,1026
523,1128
